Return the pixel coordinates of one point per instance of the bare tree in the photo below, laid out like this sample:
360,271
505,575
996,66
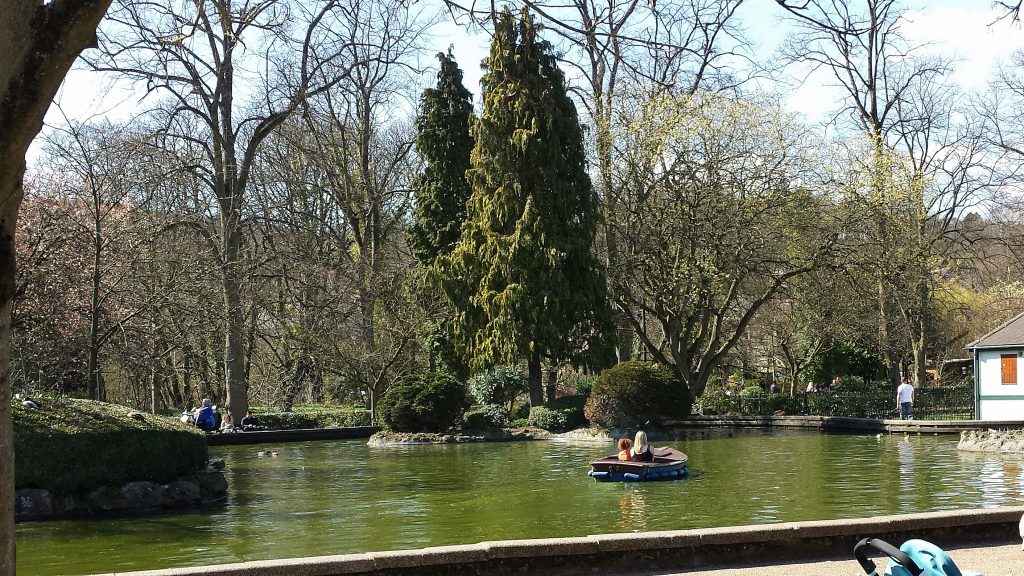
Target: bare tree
725,210
920,176
203,55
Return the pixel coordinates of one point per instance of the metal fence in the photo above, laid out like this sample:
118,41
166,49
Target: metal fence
947,403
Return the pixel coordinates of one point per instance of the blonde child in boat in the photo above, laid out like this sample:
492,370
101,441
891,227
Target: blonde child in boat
624,445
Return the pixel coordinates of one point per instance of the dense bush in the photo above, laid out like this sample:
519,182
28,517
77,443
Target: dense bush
560,414
76,445
499,386
485,417
634,393
303,417
552,420
431,402
581,384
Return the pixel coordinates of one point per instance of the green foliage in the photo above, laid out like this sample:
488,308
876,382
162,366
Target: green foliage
633,393
501,386
752,391
520,422
581,384
444,143
523,277
551,420
432,402
485,417
303,417
76,445
560,414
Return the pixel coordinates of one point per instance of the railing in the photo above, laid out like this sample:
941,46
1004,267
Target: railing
929,404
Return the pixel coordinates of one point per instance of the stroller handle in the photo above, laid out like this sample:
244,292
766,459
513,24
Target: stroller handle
860,552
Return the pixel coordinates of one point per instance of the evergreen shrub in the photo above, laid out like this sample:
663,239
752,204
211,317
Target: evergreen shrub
77,445
551,420
431,402
485,417
560,415
633,393
500,386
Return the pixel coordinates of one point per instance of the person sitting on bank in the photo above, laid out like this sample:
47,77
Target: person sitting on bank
249,422
624,445
206,418
641,450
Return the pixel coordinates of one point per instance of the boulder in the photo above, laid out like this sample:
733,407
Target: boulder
106,499
33,504
181,493
212,485
143,495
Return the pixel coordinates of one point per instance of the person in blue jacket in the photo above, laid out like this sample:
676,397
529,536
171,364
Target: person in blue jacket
206,417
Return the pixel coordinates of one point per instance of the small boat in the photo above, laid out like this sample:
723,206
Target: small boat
668,464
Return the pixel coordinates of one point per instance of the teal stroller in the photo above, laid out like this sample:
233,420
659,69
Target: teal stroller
913,558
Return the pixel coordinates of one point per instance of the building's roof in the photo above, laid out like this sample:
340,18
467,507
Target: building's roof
1008,334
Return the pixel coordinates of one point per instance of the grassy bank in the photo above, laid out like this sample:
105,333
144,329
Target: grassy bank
71,445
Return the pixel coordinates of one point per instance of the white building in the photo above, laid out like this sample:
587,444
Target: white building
999,372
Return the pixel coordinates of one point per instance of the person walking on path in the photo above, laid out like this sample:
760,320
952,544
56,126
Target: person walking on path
905,399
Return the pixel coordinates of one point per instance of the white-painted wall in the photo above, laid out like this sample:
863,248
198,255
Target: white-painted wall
990,384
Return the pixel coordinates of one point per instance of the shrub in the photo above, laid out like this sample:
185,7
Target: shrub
553,420
634,393
572,407
581,384
752,392
431,402
520,422
499,386
484,417
76,445
303,417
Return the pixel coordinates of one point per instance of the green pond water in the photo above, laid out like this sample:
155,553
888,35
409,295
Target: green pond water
337,497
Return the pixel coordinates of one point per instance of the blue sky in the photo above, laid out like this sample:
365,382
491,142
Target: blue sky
960,28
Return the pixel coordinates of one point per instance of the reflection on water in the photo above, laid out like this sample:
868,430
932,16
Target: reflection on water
337,497
632,506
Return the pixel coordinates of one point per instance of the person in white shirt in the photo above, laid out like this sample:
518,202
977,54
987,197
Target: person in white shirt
905,399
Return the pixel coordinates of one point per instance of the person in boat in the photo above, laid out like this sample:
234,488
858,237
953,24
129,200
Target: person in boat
624,445
249,422
641,450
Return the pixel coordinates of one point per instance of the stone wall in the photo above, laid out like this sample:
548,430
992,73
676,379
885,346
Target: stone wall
204,487
644,552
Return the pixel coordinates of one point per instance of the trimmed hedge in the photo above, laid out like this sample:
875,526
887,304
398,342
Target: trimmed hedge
635,393
432,402
304,417
75,445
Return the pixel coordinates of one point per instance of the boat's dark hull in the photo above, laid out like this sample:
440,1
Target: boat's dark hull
669,464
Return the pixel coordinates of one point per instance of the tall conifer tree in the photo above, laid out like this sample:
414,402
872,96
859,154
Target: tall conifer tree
444,143
523,265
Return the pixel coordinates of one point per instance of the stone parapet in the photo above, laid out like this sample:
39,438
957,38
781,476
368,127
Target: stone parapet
846,424
644,551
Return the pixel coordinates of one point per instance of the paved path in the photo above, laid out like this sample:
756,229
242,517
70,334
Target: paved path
994,560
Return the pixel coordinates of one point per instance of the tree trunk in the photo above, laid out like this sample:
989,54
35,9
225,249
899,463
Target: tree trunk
8,218
552,386
234,350
38,44
154,391
536,386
